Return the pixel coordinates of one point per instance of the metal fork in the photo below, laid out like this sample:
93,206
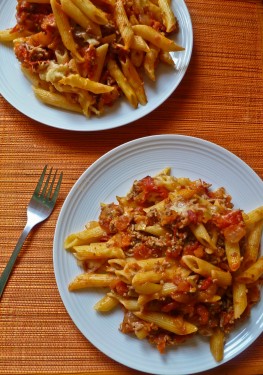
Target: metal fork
39,209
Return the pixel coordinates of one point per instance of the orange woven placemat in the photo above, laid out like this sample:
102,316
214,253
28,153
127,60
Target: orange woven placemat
220,99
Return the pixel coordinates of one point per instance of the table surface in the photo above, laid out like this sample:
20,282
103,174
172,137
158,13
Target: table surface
220,99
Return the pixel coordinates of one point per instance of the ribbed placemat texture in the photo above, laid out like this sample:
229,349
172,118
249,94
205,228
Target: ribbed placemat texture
220,99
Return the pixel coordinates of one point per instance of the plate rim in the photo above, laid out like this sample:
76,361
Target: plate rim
100,161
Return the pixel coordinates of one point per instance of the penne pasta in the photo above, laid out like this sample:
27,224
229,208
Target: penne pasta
159,40
252,244
150,61
170,323
64,29
239,299
97,250
134,80
106,303
168,15
221,278
148,288
92,51
252,274
72,11
87,280
75,80
101,53
123,24
130,304
202,235
138,43
217,344
199,266
91,11
56,100
122,82
9,35
165,253
253,216
233,255
146,277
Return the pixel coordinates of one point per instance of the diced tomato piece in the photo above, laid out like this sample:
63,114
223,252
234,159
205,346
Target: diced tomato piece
205,284
203,313
121,288
141,251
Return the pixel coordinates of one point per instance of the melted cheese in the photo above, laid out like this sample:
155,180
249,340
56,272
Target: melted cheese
54,72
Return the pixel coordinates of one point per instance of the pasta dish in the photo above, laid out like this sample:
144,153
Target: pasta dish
176,256
83,55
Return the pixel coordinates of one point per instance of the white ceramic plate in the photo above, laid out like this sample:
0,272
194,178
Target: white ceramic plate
16,89
113,175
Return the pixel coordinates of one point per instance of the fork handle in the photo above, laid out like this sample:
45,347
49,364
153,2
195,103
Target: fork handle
8,269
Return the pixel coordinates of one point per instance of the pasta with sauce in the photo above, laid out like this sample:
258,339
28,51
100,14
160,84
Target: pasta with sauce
83,56
161,251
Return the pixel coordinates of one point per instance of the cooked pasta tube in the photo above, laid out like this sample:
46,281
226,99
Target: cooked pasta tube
158,206
217,344
156,230
125,275
143,299
175,324
150,61
151,35
253,243
239,299
86,236
221,278
148,288
149,264
134,80
147,276
91,233
9,35
56,100
70,8
141,333
123,24
156,11
101,53
200,266
137,57
64,29
122,82
106,303
117,263
233,255
202,235
90,280
71,241
97,250
168,15
166,58
139,44
130,304
252,274
253,216
91,11
75,80
154,276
